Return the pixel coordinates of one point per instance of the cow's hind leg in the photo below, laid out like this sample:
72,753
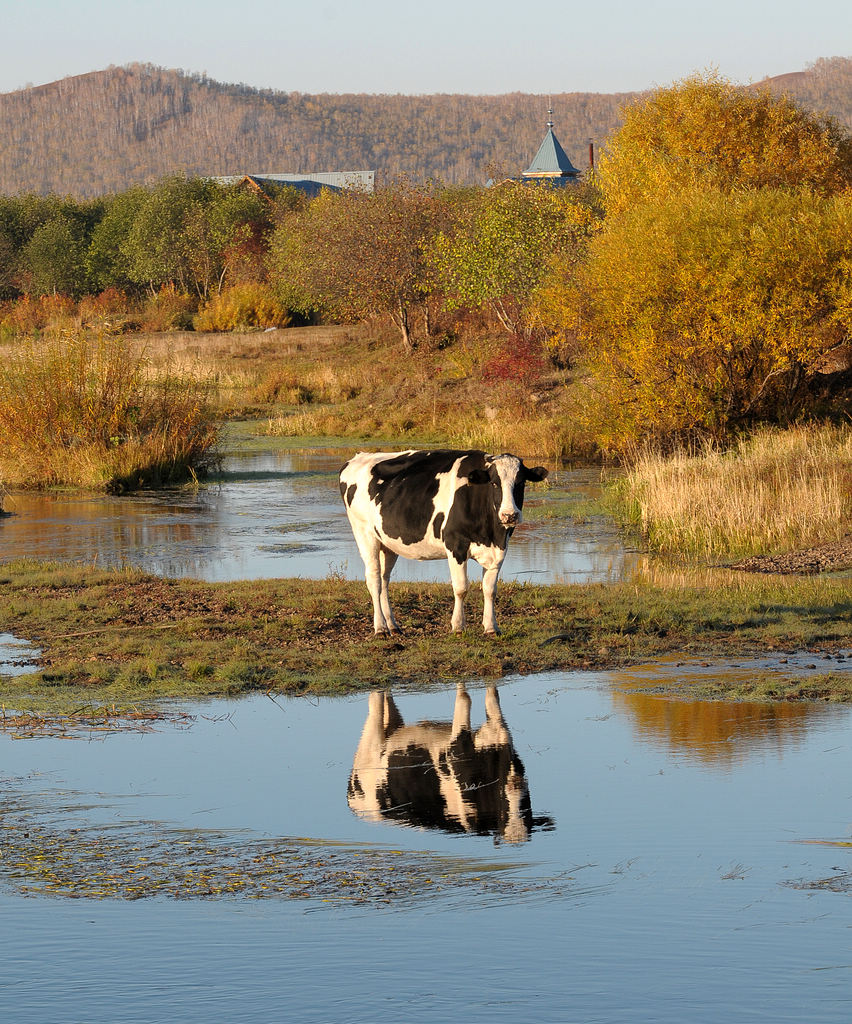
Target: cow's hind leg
370,553
387,560
458,575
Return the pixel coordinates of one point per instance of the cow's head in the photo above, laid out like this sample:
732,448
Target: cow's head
507,475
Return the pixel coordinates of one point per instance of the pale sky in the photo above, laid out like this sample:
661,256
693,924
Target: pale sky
390,46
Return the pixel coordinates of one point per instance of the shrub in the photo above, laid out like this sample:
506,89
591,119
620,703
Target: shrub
168,310
82,410
29,315
520,359
109,311
242,307
703,312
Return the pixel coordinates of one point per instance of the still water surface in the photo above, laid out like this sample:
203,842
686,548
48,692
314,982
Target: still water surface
663,869
678,832
278,513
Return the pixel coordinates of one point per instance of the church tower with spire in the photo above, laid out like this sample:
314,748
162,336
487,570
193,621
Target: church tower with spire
551,163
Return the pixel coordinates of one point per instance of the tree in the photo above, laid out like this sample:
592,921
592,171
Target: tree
496,254
358,254
109,257
706,131
707,310
52,261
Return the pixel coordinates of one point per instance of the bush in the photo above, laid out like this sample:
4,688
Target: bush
28,315
242,307
703,312
168,310
109,311
82,410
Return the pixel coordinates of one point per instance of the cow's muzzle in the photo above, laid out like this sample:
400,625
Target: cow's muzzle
509,518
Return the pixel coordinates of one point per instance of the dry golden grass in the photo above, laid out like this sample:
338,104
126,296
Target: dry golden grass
776,490
82,410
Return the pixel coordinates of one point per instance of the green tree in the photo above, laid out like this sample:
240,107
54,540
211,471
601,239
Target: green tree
706,131
52,261
109,255
496,253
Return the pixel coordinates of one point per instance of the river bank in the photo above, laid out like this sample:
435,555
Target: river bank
125,636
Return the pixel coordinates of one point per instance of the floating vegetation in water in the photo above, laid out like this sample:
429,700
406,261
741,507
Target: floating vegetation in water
88,720
138,860
291,548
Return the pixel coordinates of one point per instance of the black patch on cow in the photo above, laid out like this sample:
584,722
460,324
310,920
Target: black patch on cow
342,487
474,519
436,526
350,493
405,489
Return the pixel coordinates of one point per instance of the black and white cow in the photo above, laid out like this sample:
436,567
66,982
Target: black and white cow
434,504
442,775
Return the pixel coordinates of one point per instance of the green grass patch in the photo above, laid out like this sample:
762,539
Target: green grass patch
123,636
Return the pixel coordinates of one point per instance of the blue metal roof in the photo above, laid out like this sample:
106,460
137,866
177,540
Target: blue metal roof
551,160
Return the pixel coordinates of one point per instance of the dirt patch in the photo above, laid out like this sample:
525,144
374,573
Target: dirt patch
824,558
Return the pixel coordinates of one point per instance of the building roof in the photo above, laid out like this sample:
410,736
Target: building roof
551,160
310,183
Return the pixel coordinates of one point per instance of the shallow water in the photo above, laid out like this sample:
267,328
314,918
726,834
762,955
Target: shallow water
16,656
277,513
671,837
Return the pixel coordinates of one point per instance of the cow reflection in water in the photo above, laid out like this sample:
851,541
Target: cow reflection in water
442,775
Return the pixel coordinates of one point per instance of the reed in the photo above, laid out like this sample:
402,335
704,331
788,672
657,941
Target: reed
776,490
82,410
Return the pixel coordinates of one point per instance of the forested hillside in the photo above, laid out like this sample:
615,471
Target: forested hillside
104,131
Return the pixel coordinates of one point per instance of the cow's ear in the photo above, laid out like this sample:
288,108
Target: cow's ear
478,476
536,474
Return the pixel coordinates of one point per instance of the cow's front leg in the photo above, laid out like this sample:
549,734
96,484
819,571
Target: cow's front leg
458,575
489,592
387,560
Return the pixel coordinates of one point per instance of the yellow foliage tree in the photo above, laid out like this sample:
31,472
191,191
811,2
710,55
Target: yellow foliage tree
705,130
705,310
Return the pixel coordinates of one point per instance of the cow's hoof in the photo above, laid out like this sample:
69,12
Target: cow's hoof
492,632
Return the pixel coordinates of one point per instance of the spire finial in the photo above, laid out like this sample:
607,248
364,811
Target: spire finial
550,113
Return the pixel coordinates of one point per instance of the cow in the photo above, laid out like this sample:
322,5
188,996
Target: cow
434,504
442,775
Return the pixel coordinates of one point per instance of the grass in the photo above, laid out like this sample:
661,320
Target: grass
353,382
82,410
123,636
776,490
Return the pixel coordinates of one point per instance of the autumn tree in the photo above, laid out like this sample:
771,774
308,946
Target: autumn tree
705,131
357,254
707,310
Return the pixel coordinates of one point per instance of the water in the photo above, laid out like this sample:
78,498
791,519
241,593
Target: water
675,835
277,513
678,860
16,656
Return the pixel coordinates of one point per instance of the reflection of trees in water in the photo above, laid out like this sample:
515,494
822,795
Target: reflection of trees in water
718,732
442,775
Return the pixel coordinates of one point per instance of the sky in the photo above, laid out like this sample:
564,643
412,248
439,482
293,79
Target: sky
391,46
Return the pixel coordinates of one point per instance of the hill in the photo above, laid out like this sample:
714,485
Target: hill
101,132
